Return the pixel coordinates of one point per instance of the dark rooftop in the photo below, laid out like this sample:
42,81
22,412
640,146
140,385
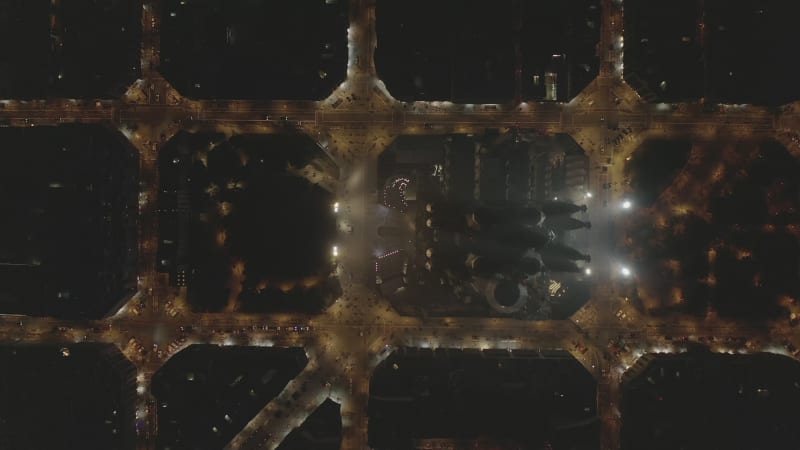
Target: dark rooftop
69,48
727,52
206,394
47,401
223,49
704,400
322,430
446,393
446,50
478,51
70,249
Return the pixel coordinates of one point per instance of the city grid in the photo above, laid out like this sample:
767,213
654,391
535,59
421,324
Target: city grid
346,342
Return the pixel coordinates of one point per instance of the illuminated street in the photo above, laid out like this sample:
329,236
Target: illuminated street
347,341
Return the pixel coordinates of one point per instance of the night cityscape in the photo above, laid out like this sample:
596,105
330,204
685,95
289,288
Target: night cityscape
399,225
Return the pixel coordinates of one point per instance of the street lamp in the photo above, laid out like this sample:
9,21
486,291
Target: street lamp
588,271
626,204
626,272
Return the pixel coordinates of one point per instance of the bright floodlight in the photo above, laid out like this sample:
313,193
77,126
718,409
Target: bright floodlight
336,207
335,251
588,271
626,204
626,272
588,195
